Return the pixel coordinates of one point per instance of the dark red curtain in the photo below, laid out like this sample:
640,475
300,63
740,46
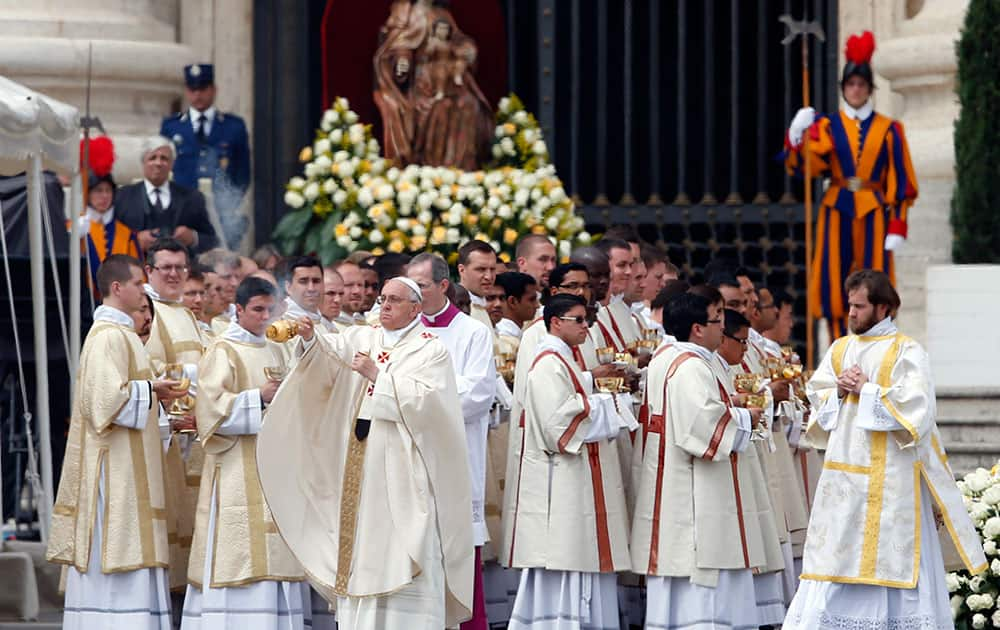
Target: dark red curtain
349,35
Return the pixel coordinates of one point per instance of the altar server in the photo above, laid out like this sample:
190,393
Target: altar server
241,572
109,521
690,535
176,338
569,522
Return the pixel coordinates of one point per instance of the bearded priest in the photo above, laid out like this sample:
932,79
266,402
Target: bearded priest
241,572
569,527
873,557
366,473
109,519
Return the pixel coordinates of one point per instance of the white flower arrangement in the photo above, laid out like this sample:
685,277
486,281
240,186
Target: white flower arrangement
974,599
349,197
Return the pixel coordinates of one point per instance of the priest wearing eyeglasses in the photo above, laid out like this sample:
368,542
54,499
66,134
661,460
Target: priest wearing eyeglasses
366,475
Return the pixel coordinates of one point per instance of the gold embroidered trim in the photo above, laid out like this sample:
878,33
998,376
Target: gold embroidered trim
873,513
140,478
951,528
64,510
850,468
350,497
255,507
936,445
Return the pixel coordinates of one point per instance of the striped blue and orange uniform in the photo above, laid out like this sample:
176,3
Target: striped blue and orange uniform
105,239
872,186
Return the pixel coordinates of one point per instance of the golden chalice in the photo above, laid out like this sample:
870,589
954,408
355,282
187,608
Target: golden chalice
605,355
182,406
609,384
282,330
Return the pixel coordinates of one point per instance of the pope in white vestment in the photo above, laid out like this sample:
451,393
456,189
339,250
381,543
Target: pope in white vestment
367,475
873,556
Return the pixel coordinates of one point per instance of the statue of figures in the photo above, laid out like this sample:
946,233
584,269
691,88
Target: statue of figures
432,109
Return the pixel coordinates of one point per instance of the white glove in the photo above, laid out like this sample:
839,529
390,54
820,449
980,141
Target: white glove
893,241
803,120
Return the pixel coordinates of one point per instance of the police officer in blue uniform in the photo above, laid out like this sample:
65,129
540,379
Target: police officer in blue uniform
211,144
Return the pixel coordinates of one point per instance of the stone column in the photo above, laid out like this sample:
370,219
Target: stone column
920,62
916,65
137,62
221,32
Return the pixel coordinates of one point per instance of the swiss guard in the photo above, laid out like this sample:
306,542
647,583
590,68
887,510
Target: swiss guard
211,144
863,214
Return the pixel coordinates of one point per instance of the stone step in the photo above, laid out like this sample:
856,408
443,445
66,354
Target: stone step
964,457
967,408
970,429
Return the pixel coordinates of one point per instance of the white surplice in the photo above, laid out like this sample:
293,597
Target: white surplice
470,345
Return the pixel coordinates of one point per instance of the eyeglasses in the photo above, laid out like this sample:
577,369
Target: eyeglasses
395,300
743,341
579,319
172,268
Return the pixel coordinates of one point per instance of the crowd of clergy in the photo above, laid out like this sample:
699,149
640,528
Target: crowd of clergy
267,443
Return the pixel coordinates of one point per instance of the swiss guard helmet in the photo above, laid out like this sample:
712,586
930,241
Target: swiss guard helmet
858,51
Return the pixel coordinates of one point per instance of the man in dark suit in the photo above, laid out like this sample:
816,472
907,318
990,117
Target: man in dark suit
157,207
211,144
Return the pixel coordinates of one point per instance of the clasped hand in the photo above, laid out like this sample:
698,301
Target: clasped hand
851,381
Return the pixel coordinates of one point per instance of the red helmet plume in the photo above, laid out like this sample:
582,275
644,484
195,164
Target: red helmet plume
859,48
102,155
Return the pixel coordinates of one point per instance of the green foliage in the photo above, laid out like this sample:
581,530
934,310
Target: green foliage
974,205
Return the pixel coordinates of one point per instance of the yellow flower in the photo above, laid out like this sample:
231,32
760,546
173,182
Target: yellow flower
481,237
438,235
376,211
509,236
496,223
538,229
396,246
437,181
340,230
452,258
404,186
397,235
418,242
509,129
333,168
505,257
305,154
378,251
471,219
480,176
364,166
